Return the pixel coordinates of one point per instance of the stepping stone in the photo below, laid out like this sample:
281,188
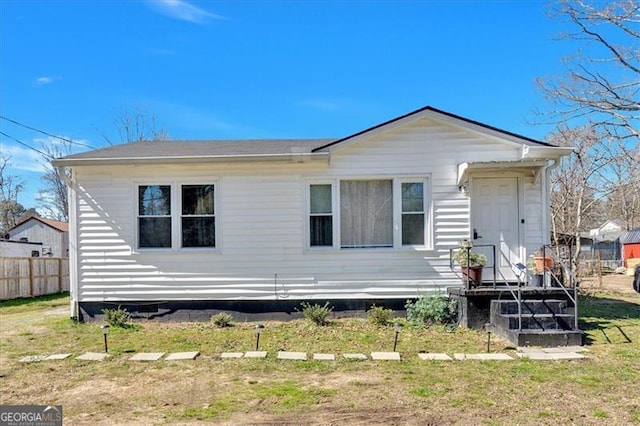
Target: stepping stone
435,357
55,357
324,357
255,354
294,356
356,356
483,357
93,356
385,356
147,356
182,356
545,356
33,358
226,355
565,349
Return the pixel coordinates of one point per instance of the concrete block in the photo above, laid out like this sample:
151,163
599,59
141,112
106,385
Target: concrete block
294,356
147,356
255,354
93,356
56,357
435,357
324,357
182,356
545,356
33,358
385,356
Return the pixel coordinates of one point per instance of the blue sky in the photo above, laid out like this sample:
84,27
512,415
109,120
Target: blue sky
266,69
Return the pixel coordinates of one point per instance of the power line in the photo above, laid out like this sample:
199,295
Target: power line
25,145
46,133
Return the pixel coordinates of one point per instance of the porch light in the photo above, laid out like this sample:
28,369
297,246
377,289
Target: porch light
397,327
105,332
259,328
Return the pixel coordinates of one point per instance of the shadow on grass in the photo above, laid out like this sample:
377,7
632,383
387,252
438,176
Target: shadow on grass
30,300
602,314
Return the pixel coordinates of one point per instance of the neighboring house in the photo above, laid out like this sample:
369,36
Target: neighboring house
606,241
53,234
10,248
369,217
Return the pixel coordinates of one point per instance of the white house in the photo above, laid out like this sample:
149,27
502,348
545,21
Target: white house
368,217
53,234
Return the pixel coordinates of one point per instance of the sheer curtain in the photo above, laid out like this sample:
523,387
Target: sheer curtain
366,213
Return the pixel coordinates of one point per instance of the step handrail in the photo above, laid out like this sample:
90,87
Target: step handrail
573,281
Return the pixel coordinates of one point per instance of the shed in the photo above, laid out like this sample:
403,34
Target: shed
630,241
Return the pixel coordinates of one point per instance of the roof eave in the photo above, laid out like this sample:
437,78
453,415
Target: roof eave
289,157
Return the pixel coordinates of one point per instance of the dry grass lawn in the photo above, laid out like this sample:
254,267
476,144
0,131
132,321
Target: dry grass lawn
603,389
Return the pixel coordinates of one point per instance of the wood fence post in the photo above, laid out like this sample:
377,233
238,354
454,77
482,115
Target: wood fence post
31,290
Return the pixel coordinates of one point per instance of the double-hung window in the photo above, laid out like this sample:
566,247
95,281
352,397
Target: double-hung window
369,213
176,216
154,216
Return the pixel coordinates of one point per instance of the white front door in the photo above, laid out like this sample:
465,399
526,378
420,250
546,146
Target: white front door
495,221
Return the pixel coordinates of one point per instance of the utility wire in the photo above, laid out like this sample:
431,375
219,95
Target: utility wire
46,133
25,145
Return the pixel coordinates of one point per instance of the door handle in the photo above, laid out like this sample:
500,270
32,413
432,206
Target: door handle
475,234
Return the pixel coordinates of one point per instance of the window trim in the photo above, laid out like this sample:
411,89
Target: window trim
176,216
397,181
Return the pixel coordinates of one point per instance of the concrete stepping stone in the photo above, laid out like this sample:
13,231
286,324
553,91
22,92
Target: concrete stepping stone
293,356
255,354
33,358
385,356
551,356
483,357
56,357
147,356
182,356
93,356
227,355
324,357
434,357
355,356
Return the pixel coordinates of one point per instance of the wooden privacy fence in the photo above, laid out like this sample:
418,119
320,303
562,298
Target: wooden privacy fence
32,276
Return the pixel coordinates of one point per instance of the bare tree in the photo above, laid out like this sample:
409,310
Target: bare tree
53,198
135,124
10,188
576,196
603,79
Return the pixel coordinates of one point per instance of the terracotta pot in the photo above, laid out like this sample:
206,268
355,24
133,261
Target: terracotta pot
543,263
472,275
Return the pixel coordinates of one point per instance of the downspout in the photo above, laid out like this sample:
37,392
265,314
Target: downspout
73,243
546,200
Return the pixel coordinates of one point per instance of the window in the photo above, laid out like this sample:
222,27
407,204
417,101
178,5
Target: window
198,216
412,213
320,215
185,221
366,213
154,216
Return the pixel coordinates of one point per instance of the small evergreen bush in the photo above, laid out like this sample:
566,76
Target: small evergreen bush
316,313
432,309
222,319
117,317
379,315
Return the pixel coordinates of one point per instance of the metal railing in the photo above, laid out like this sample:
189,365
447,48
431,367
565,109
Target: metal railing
565,265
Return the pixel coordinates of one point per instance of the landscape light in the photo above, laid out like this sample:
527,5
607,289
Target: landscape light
105,331
487,326
397,327
259,328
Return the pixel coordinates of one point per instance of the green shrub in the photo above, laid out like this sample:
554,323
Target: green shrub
117,317
222,319
316,313
379,315
432,309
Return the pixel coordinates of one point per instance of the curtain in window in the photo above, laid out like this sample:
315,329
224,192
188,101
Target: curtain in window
366,213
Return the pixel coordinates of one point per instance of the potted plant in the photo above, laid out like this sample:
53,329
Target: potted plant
471,263
543,261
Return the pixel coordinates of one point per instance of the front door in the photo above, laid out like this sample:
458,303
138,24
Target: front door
495,221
